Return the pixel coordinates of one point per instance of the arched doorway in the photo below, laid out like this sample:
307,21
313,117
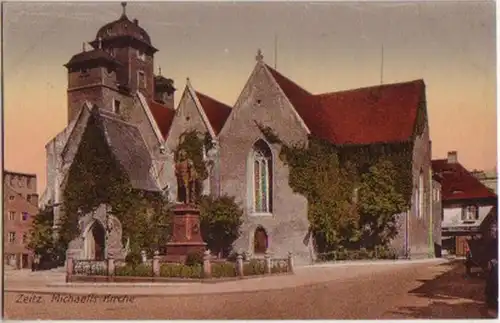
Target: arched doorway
95,242
260,241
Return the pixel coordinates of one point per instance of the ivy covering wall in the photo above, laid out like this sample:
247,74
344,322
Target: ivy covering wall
354,192
96,177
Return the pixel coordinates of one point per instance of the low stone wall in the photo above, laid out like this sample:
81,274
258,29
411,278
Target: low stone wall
151,271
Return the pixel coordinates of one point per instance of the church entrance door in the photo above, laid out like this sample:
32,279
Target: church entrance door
260,243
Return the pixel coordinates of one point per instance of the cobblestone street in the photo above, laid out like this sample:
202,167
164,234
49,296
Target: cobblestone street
420,290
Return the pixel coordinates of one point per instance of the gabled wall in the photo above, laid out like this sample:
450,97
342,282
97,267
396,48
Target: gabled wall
261,100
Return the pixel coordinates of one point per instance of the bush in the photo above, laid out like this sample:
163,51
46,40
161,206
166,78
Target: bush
140,270
194,259
253,267
279,267
133,258
225,269
181,271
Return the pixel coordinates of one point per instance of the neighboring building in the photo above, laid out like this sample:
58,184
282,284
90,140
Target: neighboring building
20,206
466,203
488,178
114,83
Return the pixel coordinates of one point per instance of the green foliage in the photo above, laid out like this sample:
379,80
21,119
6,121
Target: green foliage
278,268
40,234
353,192
142,270
379,252
220,221
224,269
133,258
181,271
95,178
379,203
254,267
193,259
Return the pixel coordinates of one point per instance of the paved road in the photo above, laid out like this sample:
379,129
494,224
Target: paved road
424,290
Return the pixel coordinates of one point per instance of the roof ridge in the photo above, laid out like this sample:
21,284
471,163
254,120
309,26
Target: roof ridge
372,87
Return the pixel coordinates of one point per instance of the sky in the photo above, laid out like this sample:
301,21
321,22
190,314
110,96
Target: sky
323,46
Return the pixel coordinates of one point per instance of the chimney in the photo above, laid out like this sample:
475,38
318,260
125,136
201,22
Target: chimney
136,22
452,157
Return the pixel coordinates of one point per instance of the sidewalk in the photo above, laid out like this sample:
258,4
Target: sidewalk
352,263
309,275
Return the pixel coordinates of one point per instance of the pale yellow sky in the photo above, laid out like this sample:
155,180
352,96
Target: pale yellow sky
323,47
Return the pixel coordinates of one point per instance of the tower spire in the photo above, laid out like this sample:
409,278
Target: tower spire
124,9
259,57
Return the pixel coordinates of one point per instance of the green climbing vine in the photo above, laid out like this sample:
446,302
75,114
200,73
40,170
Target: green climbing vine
96,177
353,192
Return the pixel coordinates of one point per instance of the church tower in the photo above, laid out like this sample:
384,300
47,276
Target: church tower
120,64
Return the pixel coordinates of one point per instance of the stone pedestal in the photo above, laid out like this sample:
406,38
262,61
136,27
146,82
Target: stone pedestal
186,234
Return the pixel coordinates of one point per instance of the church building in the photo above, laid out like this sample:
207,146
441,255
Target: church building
114,80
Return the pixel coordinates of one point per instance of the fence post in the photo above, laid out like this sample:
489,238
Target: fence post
69,268
290,262
156,264
111,268
267,262
207,268
239,265
144,257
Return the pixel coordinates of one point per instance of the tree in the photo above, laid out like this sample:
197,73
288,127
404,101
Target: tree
220,220
379,203
40,234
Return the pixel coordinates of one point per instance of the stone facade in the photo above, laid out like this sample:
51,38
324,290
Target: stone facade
286,225
267,98
84,246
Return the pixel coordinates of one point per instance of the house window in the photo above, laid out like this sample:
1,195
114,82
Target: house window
116,106
25,216
84,72
470,213
141,80
12,215
12,197
262,177
12,237
141,55
25,237
12,180
20,181
30,182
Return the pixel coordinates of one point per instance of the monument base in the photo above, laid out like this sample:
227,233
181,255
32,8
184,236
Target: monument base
186,234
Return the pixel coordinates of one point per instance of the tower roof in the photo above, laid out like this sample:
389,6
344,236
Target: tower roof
123,27
95,55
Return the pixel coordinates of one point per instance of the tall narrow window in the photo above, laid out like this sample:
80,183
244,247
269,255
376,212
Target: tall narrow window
116,106
262,178
420,195
141,80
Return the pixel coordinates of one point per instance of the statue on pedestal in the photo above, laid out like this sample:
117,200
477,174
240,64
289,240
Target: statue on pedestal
186,175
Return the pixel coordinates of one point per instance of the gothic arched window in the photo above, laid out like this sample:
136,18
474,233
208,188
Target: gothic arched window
262,172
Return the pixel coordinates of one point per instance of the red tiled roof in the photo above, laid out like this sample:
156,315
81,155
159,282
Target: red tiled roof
163,116
457,183
217,112
385,113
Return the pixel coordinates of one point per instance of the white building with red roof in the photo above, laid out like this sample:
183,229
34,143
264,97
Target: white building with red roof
469,206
